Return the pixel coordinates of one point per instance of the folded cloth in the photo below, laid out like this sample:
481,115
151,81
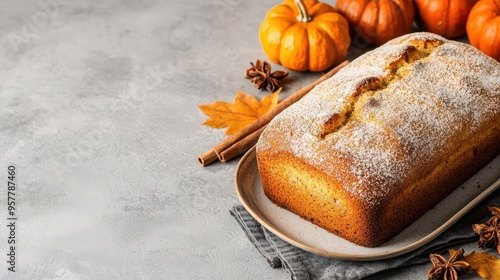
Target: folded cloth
305,265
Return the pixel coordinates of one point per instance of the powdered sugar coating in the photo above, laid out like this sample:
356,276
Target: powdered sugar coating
445,95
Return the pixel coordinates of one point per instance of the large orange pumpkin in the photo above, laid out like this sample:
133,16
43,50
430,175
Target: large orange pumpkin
378,21
483,27
444,17
305,35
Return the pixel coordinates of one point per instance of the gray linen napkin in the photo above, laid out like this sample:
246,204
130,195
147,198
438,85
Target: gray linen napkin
303,265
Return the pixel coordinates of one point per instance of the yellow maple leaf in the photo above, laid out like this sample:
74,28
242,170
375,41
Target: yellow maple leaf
486,265
235,116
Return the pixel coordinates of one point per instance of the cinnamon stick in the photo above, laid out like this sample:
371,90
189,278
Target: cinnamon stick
241,146
207,157
254,130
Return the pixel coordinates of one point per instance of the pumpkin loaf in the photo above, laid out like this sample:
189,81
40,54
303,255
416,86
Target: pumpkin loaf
370,150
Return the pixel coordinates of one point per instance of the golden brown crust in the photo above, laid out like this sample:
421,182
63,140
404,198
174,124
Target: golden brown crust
371,149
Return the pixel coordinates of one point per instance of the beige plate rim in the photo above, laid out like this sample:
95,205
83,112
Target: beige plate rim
251,206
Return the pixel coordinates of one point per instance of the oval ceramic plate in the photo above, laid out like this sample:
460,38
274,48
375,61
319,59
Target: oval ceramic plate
312,238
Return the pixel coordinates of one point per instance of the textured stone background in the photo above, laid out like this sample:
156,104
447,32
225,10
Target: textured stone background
98,112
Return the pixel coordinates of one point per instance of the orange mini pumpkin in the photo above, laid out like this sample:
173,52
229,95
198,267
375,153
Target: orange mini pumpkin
444,17
305,35
483,27
378,21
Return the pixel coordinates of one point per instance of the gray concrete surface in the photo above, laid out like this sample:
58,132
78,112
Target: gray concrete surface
99,116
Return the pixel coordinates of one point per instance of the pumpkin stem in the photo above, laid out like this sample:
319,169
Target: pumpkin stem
303,15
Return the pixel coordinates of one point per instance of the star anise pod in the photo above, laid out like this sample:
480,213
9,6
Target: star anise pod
260,75
447,270
494,214
489,233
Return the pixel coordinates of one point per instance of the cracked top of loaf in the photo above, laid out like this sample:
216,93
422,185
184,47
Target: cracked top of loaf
407,104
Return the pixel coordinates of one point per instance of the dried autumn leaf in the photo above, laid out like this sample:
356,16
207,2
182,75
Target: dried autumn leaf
486,265
235,116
